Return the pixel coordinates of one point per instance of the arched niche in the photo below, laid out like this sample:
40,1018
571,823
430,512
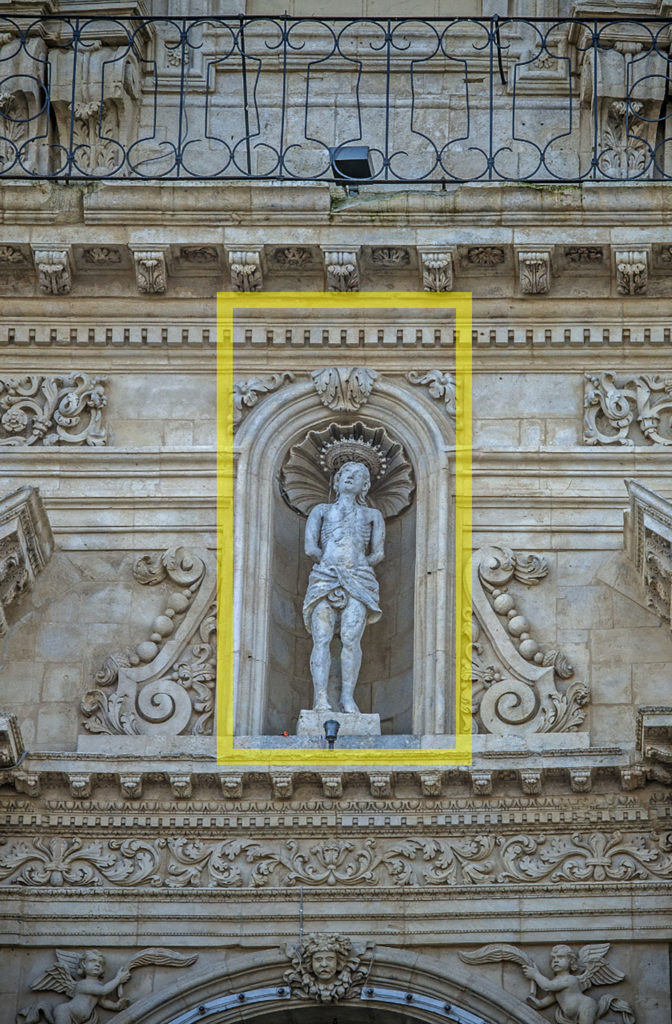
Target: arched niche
264,526
245,987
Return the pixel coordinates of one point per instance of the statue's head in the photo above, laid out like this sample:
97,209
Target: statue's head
93,964
326,955
564,958
353,478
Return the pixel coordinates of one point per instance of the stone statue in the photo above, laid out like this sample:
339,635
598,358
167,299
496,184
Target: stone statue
573,973
327,968
81,978
346,538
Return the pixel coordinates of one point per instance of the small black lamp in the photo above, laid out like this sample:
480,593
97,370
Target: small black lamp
351,164
331,728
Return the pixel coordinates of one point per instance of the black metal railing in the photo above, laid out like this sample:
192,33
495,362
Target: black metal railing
280,98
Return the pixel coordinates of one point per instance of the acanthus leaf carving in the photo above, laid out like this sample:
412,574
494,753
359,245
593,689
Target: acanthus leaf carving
439,383
613,403
79,976
165,686
632,271
150,271
535,272
47,410
437,270
344,388
54,273
516,693
246,274
625,153
327,968
342,270
246,393
574,972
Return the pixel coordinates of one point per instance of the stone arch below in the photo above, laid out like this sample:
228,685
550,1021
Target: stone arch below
424,429
246,987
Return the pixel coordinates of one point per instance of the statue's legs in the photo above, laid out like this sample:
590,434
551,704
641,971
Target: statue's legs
322,627
353,621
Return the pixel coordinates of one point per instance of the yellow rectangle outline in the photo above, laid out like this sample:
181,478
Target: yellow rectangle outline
461,754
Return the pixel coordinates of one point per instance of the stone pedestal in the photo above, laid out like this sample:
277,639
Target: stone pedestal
311,723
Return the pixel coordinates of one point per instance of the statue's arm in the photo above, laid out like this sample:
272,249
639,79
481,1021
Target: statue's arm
377,552
313,528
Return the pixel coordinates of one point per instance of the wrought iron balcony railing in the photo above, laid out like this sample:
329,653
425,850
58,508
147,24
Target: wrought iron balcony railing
280,98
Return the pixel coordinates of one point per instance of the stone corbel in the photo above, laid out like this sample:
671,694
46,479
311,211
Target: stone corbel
437,269
648,543
632,271
54,270
342,270
150,269
26,544
534,270
246,271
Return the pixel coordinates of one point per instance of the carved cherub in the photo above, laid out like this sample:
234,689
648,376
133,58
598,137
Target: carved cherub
80,976
573,973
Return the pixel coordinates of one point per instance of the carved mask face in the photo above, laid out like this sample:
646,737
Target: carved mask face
325,964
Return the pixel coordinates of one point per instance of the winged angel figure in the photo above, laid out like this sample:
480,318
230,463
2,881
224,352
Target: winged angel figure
573,974
80,976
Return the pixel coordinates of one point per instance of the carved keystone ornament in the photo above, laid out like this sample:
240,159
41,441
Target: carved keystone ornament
327,968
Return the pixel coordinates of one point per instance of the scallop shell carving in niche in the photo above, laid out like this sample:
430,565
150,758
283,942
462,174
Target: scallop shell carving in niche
307,474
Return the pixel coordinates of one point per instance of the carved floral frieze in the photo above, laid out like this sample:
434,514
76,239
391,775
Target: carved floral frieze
628,409
47,410
490,859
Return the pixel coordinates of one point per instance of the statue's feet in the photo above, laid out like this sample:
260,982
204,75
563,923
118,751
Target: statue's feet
322,704
348,707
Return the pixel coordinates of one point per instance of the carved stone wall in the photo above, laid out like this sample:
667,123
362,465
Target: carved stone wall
434,893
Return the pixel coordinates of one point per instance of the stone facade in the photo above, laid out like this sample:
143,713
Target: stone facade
531,885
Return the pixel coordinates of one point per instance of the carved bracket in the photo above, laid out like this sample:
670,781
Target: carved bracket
534,269
648,542
618,407
342,270
246,275
632,271
150,271
437,269
514,681
54,272
26,544
165,685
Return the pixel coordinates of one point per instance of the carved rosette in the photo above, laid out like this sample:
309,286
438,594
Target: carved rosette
52,410
165,686
615,405
326,968
26,544
514,688
306,475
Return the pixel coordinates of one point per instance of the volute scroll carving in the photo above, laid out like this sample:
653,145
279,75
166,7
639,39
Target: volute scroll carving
165,685
516,693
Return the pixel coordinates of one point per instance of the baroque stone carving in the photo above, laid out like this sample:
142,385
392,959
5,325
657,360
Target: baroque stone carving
165,685
150,271
9,255
12,748
584,254
535,272
26,544
79,976
437,270
388,257
648,541
342,271
198,254
440,384
632,271
246,393
514,681
515,861
574,972
614,403
344,388
245,269
485,255
47,410
327,968
625,153
54,274
292,257
101,255
306,474
346,539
